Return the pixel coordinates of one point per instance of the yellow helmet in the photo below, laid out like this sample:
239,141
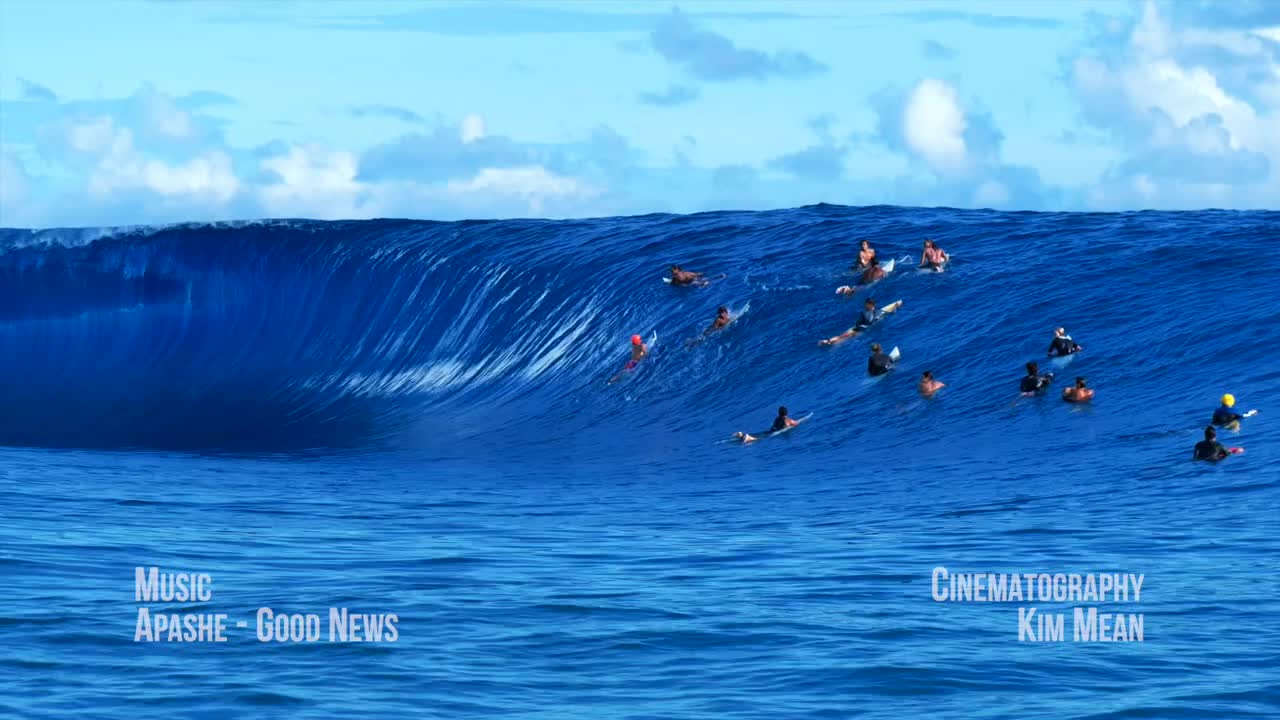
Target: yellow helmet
1229,400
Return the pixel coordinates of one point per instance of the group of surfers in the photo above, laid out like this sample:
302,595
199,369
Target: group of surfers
935,258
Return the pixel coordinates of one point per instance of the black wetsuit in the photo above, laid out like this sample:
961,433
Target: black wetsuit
779,423
868,318
879,364
1210,450
1225,416
1063,346
1036,383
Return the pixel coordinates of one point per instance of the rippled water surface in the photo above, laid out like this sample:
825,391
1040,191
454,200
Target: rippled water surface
413,418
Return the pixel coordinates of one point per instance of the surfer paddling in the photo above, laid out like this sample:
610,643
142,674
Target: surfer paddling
721,322
684,278
723,318
1210,449
1062,344
870,316
1078,393
782,422
932,256
1226,416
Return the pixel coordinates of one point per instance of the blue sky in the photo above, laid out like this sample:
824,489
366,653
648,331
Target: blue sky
151,112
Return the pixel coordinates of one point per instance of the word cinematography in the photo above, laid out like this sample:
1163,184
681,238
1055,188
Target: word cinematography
152,585
1035,625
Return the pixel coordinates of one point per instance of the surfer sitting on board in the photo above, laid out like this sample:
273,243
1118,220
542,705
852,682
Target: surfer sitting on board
682,277
866,257
1034,382
870,316
1062,344
782,422
1078,393
933,256
1211,449
873,274
879,363
929,386
1226,414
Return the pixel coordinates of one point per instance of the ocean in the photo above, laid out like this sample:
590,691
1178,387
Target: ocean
412,421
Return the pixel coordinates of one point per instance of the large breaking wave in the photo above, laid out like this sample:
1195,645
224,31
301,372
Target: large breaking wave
497,337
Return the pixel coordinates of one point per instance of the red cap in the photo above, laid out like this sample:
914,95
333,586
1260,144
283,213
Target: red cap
635,340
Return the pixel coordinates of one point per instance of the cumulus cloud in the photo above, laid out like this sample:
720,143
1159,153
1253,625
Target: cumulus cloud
311,181
118,166
710,56
534,185
933,126
1197,112
957,146
674,95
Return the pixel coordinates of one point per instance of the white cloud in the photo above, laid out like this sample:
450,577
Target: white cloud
533,184
313,181
472,129
120,167
1167,101
933,125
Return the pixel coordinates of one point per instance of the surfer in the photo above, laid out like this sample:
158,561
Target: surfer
639,351
1079,393
866,257
879,363
682,277
1210,449
874,273
1226,414
782,422
929,386
721,322
932,256
1062,344
870,316
1035,383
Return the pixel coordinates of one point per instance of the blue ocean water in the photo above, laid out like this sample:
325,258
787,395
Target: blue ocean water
413,418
